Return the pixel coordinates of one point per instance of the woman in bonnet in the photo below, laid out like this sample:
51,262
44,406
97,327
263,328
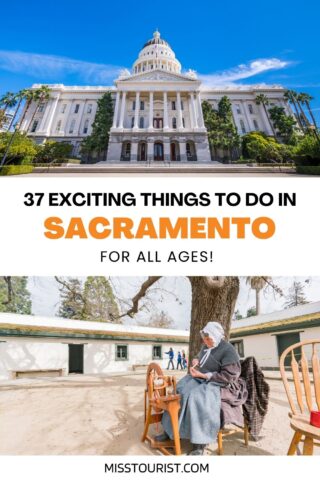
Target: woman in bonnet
211,394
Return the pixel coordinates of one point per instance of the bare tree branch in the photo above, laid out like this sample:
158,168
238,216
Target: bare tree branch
75,295
142,292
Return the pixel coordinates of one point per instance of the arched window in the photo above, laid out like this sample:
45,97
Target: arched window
243,128
58,127
174,122
141,122
86,126
158,151
188,149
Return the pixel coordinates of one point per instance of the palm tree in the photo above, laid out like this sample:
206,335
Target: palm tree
262,99
300,101
41,95
28,94
257,284
292,96
8,100
305,99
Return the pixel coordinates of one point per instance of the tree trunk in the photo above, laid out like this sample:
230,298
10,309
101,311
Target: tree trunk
14,115
258,302
270,121
210,304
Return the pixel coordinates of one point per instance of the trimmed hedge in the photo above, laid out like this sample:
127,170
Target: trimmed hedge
16,169
308,169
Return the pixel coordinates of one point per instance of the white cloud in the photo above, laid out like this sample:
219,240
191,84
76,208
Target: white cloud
56,67
256,67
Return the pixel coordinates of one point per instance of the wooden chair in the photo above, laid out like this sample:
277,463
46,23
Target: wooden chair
305,395
157,399
224,433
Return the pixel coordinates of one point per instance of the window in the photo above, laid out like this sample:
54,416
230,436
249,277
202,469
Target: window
188,149
181,105
243,128
256,125
174,122
132,122
141,122
72,124
142,105
58,127
128,149
238,345
156,352
173,105
34,126
133,105
63,107
76,108
89,108
122,352
238,109
183,123
41,107
86,126
250,107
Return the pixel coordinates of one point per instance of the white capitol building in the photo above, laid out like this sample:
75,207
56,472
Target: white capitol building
157,110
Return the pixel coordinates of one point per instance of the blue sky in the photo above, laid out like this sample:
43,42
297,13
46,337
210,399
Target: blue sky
81,43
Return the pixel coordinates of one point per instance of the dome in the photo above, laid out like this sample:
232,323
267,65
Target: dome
156,54
156,40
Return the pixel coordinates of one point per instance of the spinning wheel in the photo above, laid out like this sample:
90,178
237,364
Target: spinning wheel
161,395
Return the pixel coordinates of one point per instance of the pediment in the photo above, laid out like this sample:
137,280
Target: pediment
158,75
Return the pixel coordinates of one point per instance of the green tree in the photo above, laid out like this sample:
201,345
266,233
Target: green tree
291,97
296,295
222,133
14,295
40,95
265,149
18,149
71,298
284,124
237,315
308,146
99,301
251,312
94,300
97,142
53,151
263,100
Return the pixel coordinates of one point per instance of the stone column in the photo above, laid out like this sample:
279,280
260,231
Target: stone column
123,105
183,151
136,111
191,111
165,111
151,113
200,114
52,113
134,152
194,111
116,111
166,149
150,150
247,115
180,125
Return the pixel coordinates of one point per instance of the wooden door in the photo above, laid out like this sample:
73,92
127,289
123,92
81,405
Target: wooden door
75,358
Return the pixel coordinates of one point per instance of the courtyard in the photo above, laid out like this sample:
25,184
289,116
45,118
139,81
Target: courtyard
103,415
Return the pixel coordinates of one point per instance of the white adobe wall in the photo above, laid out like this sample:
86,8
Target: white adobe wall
99,356
23,354
263,347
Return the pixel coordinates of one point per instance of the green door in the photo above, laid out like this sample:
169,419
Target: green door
286,340
75,358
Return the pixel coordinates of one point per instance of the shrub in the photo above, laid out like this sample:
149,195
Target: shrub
22,150
51,151
16,169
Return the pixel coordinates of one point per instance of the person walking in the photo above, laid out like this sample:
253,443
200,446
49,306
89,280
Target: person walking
184,360
179,361
171,357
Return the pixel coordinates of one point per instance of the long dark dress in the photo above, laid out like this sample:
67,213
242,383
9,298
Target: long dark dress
206,405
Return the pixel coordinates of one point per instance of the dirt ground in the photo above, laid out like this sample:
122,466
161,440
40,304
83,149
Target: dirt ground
89,415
